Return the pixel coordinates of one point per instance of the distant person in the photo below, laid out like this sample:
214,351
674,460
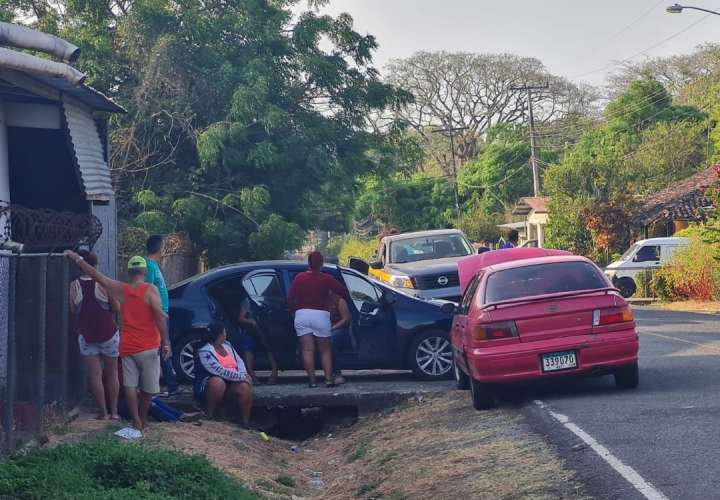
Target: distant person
512,241
308,301
155,276
143,333
251,336
340,319
98,338
220,374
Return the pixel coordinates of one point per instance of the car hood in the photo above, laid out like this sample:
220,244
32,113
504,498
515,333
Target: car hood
615,265
425,267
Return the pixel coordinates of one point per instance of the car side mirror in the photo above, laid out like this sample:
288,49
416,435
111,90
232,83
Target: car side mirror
389,298
448,308
358,265
368,308
376,264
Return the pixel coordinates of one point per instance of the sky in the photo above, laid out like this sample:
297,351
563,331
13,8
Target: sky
579,39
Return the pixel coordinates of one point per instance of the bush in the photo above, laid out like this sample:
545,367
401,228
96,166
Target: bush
692,274
356,247
109,469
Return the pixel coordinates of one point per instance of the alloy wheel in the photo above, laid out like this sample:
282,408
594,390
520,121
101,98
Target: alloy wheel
187,359
434,356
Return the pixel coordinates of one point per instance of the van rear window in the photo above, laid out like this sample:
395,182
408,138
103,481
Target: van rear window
541,279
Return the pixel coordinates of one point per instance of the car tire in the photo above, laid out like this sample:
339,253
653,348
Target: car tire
627,377
422,360
627,287
462,381
183,356
482,396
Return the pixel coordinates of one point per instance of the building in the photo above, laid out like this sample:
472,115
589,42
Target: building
534,213
673,209
53,146
55,193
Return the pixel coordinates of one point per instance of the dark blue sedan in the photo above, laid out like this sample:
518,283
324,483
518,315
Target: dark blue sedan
390,330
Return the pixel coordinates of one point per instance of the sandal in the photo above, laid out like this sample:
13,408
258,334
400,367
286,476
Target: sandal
329,385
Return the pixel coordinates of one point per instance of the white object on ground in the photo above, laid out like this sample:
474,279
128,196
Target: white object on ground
631,476
129,433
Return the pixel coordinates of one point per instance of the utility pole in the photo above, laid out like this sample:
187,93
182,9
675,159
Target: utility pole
450,132
533,155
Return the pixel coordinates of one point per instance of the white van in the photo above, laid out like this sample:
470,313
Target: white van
643,255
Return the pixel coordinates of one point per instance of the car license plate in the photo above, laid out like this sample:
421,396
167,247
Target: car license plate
556,361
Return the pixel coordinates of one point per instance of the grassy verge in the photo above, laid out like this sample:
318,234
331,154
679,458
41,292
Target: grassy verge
690,306
106,468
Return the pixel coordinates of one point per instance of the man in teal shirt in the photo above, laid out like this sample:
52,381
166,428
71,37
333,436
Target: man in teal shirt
155,276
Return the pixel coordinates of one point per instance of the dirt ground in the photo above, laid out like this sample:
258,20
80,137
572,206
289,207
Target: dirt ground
431,447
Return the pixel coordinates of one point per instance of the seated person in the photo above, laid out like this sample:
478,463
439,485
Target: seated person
251,334
220,374
340,319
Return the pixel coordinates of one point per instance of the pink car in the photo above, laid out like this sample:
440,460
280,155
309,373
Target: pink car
531,313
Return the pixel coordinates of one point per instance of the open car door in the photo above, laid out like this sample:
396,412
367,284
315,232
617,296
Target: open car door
269,305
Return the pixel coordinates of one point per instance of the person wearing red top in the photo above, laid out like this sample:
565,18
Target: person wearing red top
98,338
143,334
308,301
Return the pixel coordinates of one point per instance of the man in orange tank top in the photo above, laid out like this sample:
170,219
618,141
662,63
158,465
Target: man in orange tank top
143,333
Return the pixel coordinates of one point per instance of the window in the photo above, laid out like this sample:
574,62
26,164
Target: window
469,294
361,290
542,279
429,247
264,289
649,253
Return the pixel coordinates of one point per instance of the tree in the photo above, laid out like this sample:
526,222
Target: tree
241,129
476,91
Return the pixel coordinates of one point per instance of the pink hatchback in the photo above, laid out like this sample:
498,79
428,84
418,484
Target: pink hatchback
530,313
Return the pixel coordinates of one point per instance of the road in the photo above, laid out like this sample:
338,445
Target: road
665,436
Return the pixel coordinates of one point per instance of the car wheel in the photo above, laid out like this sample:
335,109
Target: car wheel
462,381
627,287
184,356
627,377
482,396
431,356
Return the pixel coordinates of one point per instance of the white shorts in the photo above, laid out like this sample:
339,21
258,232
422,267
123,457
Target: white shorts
109,348
313,322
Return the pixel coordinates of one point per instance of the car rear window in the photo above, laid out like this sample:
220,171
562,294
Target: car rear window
541,279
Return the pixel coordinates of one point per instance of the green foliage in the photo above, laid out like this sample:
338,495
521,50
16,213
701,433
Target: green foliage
237,111
356,247
408,205
693,273
707,232
109,469
273,237
566,229
286,480
479,226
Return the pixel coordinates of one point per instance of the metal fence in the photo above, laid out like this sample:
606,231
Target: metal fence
41,373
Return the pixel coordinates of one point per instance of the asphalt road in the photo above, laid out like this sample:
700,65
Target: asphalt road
667,431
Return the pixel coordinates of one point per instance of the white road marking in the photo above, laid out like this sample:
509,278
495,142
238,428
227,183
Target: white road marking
631,476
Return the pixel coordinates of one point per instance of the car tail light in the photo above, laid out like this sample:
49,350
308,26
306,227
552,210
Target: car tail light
495,331
612,315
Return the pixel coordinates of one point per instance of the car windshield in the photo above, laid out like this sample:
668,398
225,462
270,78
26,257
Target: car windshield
542,279
628,253
429,247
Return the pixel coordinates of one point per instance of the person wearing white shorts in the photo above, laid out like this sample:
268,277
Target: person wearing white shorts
308,299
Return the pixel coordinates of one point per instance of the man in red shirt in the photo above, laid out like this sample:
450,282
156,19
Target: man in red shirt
308,300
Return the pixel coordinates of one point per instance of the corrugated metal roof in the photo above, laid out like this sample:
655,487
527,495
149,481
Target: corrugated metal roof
87,95
87,151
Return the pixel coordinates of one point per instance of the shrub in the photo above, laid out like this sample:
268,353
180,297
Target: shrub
109,469
692,274
356,247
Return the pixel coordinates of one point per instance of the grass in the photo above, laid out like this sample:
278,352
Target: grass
106,468
359,453
367,488
286,480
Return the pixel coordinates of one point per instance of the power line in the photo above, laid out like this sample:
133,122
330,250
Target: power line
533,156
661,42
